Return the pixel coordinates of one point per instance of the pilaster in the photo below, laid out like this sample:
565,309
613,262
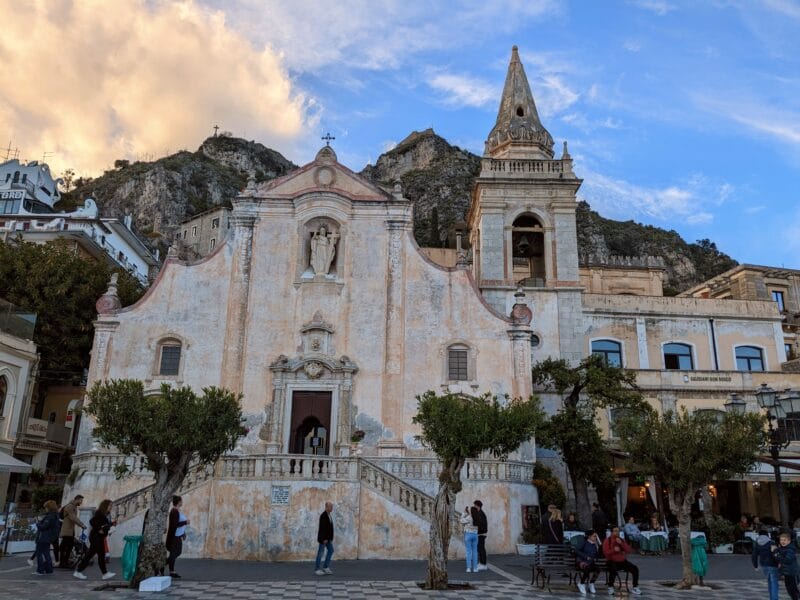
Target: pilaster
243,219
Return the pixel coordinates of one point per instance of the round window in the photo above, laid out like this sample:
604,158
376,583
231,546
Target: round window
535,341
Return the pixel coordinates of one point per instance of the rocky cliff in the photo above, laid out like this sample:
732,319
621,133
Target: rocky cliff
436,175
162,193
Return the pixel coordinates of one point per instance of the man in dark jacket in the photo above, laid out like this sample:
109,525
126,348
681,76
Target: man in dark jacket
325,541
479,518
764,560
599,521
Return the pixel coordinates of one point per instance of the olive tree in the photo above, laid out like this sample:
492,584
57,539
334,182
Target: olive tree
457,427
584,388
686,451
171,429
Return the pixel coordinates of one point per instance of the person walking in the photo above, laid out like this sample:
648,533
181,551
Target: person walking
554,528
764,560
325,541
176,532
616,551
599,521
101,524
470,539
46,534
480,520
68,524
786,557
586,561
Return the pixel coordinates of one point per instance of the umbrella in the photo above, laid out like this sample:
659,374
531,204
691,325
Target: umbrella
9,464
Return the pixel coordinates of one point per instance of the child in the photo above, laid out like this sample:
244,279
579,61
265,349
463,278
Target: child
787,564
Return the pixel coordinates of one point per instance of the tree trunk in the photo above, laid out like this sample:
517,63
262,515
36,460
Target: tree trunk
449,486
682,504
152,551
582,501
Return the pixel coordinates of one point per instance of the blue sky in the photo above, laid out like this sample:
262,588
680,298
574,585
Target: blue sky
685,115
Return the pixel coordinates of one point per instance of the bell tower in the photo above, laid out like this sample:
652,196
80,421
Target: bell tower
522,220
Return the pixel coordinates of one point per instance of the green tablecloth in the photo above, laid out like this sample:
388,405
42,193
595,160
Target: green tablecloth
657,543
576,541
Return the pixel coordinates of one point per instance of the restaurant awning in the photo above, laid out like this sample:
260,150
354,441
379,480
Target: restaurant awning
9,464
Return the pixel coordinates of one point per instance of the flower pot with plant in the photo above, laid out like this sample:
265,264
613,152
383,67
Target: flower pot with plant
721,532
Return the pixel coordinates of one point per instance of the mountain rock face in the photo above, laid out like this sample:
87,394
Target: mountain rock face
161,194
435,175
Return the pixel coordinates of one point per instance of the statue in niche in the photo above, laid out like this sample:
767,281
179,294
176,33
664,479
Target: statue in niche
323,249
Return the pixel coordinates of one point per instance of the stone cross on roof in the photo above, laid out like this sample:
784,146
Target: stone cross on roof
327,138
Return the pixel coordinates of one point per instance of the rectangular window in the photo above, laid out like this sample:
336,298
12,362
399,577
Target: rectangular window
170,360
789,351
194,231
213,243
778,298
457,365
215,223
185,234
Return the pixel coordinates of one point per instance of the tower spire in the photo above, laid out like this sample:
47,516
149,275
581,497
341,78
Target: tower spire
518,132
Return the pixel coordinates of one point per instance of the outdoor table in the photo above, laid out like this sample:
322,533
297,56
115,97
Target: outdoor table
621,533
653,541
697,534
751,535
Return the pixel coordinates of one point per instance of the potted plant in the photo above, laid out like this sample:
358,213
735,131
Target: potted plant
721,532
356,439
528,540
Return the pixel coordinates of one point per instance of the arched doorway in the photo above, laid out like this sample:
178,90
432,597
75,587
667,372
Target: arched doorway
311,422
528,251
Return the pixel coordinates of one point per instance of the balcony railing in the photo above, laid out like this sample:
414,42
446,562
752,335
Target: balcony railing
16,322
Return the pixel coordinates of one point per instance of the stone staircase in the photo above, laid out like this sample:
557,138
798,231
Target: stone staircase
137,502
384,476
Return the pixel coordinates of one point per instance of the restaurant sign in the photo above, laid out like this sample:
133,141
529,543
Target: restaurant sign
37,428
710,378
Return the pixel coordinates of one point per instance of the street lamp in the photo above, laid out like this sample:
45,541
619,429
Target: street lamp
735,404
777,409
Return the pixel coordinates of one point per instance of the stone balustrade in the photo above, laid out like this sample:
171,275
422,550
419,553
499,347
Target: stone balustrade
524,168
289,466
473,470
394,488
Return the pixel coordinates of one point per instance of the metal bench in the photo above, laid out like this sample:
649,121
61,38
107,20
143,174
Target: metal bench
552,558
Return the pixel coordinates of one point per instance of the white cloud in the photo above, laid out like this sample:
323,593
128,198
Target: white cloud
372,34
755,114
553,96
463,90
94,81
692,201
659,7
632,46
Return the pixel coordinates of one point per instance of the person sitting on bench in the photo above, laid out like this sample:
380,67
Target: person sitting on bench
586,558
616,551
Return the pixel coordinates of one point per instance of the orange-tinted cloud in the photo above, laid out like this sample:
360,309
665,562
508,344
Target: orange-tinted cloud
92,81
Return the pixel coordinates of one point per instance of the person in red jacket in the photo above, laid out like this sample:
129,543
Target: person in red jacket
616,551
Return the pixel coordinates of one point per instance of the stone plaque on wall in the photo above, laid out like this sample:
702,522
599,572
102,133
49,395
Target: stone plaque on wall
280,495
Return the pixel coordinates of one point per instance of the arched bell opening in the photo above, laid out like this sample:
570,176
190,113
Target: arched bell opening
528,251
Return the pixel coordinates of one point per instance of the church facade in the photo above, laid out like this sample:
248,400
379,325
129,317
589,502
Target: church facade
323,312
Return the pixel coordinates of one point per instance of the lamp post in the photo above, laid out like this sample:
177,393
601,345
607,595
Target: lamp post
768,400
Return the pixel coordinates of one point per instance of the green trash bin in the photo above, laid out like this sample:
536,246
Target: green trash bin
129,556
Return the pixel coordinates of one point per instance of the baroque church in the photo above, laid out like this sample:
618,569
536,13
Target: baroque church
324,313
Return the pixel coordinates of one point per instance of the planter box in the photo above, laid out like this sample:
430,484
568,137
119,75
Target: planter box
21,546
526,549
723,549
